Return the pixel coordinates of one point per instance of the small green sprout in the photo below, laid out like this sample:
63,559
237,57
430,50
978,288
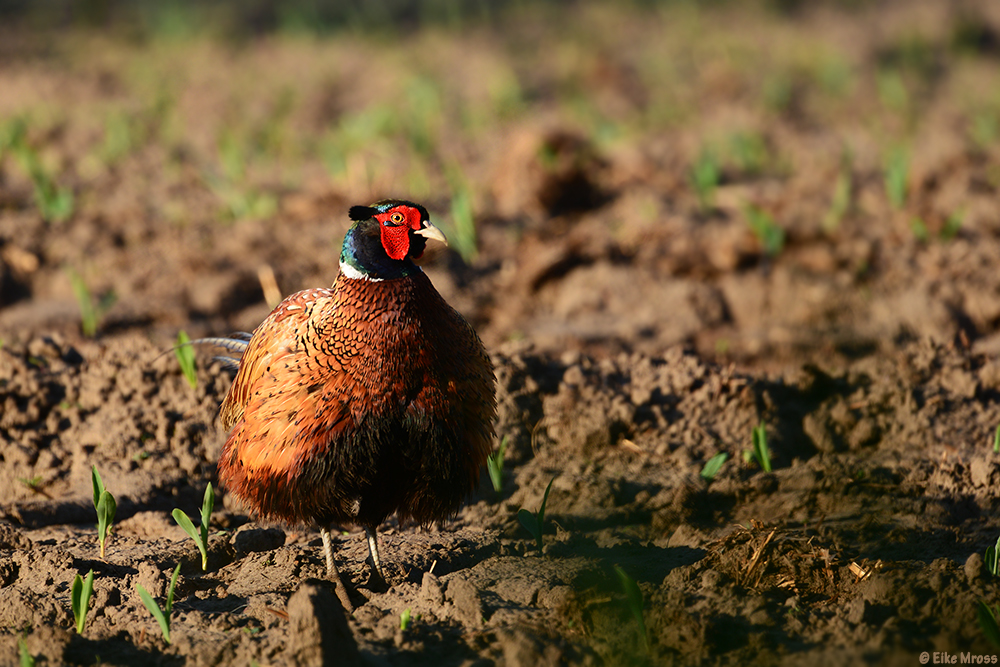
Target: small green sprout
988,622
705,175
200,536
404,619
54,203
778,92
90,312
984,129
534,522
769,233
712,466
35,483
840,203
952,226
105,505
633,597
162,617
996,440
759,451
919,229
892,90
80,599
185,357
749,152
466,239
993,559
27,660
494,465
897,170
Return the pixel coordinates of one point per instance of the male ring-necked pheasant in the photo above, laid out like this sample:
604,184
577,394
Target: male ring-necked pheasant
368,398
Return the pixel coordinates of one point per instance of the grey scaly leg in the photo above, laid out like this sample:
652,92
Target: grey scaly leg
332,573
373,550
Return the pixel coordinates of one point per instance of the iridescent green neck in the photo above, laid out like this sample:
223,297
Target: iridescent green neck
363,257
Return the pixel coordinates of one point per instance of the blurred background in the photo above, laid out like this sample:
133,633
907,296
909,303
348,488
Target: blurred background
770,182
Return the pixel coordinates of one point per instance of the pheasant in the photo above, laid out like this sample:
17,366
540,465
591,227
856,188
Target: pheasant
370,398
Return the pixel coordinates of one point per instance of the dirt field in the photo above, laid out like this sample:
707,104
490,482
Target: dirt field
687,222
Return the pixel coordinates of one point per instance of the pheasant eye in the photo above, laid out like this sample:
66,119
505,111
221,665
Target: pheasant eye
397,218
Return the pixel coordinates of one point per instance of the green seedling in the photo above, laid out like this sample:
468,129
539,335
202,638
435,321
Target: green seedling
534,522
985,129
840,203
27,660
633,597
777,92
749,152
54,203
35,483
404,619
993,558
200,536
105,505
919,229
996,440
712,466
91,312
423,111
242,202
494,465
705,175
897,171
770,234
759,451
466,240
185,357
952,226
988,622
162,616
80,599
835,76
892,90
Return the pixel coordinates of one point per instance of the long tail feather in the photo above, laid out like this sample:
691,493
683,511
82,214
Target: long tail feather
236,343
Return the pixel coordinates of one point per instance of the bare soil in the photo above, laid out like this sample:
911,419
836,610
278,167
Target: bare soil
637,331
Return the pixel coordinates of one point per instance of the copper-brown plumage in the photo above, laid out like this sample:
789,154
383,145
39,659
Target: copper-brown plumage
371,398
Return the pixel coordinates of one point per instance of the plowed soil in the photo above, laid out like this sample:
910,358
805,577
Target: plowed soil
836,281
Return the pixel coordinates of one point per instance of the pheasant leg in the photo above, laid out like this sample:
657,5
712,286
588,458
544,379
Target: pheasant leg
332,573
372,534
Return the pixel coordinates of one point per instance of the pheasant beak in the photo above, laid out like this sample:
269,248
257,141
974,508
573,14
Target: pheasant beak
429,231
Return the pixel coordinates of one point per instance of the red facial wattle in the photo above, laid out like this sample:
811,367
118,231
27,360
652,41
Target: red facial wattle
396,236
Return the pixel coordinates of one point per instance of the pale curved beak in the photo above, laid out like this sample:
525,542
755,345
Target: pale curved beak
429,231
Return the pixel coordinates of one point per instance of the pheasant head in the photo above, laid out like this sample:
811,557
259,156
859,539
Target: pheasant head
385,238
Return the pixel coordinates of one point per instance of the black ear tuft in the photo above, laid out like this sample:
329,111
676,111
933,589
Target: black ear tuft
361,213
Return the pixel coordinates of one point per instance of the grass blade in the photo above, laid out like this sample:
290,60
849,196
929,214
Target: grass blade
206,512
633,596
154,609
712,466
760,449
98,484
541,509
185,358
26,659
185,522
494,465
988,623
80,599
106,509
170,591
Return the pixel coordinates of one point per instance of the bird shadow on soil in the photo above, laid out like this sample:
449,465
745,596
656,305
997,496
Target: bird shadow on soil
118,650
643,563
